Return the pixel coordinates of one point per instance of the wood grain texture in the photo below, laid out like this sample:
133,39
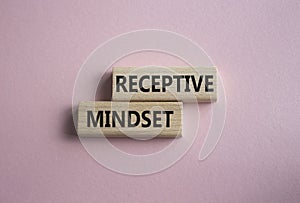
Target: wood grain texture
165,119
196,84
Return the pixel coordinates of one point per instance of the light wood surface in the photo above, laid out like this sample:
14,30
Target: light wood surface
161,119
187,84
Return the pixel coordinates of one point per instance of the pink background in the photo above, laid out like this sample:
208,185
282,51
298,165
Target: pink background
255,44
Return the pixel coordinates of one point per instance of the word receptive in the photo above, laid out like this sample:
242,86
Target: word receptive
198,84
130,119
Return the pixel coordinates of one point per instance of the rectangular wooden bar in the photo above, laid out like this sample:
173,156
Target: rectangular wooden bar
188,84
132,119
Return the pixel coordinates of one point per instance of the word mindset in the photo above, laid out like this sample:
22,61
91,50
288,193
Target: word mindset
134,118
165,84
96,119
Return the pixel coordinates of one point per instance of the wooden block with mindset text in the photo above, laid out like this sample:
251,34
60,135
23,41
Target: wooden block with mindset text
132,119
187,84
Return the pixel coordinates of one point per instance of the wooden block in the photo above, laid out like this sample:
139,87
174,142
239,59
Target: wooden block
186,84
134,119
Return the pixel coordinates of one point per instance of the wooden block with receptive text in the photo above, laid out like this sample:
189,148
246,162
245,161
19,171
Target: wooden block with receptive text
131,119
187,84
